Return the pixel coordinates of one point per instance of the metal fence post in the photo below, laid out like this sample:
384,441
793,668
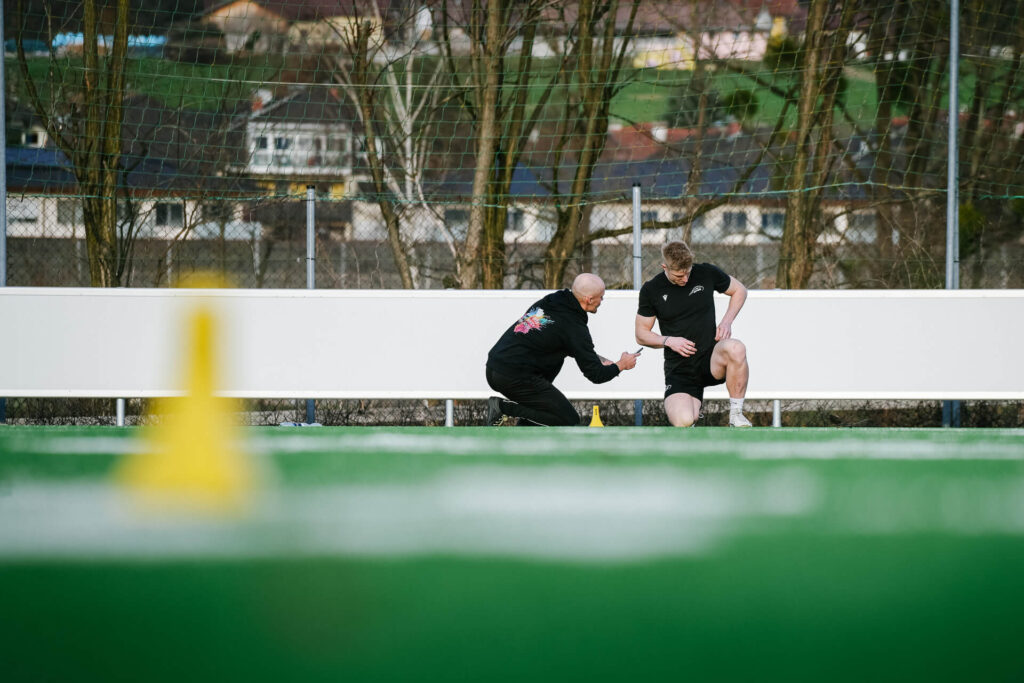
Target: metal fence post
310,269
638,405
449,413
951,409
120,412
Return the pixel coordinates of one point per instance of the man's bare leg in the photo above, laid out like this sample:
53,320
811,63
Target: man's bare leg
682,409
729,360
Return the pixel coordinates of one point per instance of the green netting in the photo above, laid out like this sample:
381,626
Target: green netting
458,143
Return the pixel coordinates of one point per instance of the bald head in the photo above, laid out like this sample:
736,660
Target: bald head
588,290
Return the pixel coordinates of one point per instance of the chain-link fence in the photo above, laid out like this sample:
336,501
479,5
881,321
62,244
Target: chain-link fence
262,244
795,145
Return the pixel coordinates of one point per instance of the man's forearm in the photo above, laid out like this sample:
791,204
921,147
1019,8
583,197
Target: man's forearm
651,339
736,302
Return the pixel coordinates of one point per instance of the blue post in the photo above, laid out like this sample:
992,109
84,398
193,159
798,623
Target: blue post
638,405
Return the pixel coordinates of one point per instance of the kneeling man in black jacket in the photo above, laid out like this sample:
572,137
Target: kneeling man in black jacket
528,356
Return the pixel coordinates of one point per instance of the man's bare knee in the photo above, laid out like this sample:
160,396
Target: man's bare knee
735,350
682,421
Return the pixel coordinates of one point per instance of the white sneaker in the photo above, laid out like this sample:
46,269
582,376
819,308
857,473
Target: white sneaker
739,420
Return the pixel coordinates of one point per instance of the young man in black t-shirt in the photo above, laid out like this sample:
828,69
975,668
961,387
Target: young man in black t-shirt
698,353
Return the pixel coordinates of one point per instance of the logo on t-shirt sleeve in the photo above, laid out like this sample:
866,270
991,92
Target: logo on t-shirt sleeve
698,288
533,320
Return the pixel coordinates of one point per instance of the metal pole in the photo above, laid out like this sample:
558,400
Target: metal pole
638,405
776,413
449,413
310,237
120,412
310,269
951,409
3,189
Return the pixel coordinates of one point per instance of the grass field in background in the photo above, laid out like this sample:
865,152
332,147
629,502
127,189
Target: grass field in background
644,98
525,554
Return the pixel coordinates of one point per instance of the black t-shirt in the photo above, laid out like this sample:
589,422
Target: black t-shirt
687,311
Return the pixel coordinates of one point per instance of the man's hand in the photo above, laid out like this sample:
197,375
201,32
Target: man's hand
627,361
723,331
681,345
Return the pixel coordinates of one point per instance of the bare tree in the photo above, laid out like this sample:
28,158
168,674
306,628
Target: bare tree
824,56
596,64
397,93
494,91
84,120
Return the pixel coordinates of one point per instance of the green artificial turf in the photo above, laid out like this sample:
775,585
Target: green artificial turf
525,554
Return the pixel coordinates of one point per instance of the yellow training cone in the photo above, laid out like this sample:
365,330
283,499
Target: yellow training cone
595,421
193,459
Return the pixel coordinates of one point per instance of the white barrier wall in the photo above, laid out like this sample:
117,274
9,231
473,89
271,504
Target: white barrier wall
433,344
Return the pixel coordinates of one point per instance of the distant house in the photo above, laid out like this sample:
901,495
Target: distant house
23,128
170,185
661,160
305,137
331,32
248,25
670,34
277,26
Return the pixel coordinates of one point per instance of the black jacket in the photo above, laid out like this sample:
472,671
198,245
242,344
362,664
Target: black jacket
550,330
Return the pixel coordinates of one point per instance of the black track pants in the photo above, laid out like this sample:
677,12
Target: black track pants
533,398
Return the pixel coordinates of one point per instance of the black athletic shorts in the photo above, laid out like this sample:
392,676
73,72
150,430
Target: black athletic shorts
691,379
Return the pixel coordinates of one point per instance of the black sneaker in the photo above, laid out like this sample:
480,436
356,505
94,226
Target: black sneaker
494,414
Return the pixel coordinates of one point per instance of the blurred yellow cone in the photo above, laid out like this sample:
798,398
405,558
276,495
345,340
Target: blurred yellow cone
193,458
595,421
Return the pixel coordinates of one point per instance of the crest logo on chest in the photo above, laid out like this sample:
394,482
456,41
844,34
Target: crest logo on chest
698,288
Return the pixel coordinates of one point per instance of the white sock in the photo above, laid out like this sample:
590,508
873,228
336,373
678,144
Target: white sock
736,406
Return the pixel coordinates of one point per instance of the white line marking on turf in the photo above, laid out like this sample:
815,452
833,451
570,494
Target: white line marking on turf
556,513
628,443
816,445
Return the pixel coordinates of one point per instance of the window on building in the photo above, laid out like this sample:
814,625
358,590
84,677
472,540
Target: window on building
338,152
170,215
261,154
69,212
516,221
457,221
771,223
282,153
734,222
648,217
23,210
